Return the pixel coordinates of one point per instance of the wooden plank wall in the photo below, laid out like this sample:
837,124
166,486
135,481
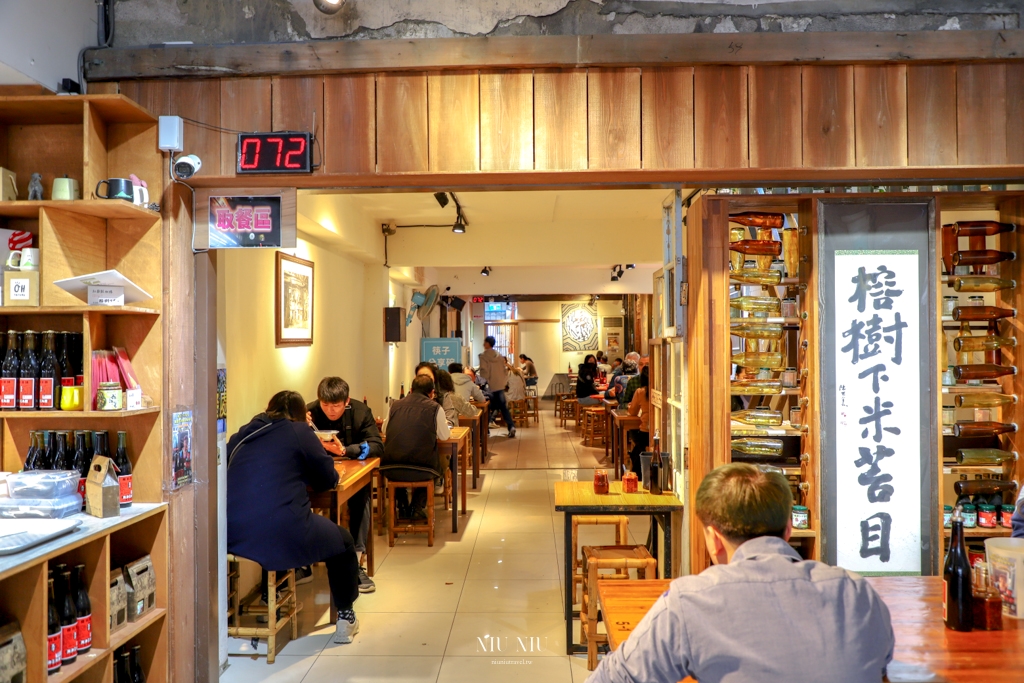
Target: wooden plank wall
713,117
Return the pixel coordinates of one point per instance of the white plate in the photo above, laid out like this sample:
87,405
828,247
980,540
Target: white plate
326,434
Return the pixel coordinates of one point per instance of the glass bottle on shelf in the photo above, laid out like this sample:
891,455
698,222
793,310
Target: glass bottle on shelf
68,621
756,387
49,374
752,359
978,344
736,258
757,304
62,459
987,604
67,372
949,247
123,665
976,313
984,456
84,608
956,578
981,257
982,371
81,462
136,665
9,374
750,276
124,469
986,400
791,251
753,330
757,247
28,374
981,283
30,454
48,442
981,228
758,447
764,235
758,219
760,417
984,487
964,357
966,430
992,352
54,646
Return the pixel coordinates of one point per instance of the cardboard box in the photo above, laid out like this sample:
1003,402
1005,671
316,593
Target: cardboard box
102,491
8,187
21,288
118,603
140,584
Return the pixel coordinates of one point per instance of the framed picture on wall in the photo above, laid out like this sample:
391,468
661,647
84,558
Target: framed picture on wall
293,301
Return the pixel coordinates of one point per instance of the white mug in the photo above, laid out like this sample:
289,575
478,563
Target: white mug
24,259
141,195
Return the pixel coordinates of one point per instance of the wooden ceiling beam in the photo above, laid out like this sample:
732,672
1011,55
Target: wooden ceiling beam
350,56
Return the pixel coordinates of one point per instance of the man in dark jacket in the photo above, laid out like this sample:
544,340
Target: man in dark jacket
415,424
271,462
358,439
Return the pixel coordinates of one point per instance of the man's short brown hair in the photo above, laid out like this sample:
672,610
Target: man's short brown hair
743,502
332,390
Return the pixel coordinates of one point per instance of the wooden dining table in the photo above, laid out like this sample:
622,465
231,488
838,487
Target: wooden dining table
473,424
485,420
459,444
926,651
353,476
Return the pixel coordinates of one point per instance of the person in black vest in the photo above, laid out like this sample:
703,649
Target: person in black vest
358,439
271,462
415,423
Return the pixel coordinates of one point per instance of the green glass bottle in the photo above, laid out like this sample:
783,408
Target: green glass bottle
765,448
756,387
981,283
760,417
749,330
987,343
771,360
984,456
986,400
751,276
757,304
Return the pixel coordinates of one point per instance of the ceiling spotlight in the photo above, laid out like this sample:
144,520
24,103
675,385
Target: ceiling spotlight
486,271
329,6
459,228
620,272
441,198
630,266
615,278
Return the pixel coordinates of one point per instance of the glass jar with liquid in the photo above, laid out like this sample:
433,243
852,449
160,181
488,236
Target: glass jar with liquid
948,304
789,378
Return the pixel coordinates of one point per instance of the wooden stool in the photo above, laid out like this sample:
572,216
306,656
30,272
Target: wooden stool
534,407
286,603
621,524
560,403
580,410
621,558
520,413
569,407
593,426
394,528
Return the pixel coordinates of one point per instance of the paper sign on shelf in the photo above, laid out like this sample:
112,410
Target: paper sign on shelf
101,295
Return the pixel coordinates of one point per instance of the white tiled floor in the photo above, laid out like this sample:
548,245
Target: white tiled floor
440,614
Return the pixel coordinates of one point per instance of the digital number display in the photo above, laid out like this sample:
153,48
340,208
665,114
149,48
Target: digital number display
274,153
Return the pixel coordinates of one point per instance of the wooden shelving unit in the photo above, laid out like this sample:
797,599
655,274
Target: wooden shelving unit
90,138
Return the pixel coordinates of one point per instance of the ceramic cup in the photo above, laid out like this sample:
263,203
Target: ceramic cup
65,189
117,188
71,398
23,259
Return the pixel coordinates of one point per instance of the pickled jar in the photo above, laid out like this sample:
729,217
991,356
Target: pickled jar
970,515
801,517
948,304
947,516
601,482
987,516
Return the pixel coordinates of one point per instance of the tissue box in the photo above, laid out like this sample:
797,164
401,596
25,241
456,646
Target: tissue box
140,585
118,603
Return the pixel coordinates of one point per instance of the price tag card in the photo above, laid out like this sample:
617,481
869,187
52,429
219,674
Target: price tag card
133,399
102,295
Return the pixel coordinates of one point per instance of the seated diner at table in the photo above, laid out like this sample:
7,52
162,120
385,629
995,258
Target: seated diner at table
272,461
760,613
412,429
357,439
464,380
586,382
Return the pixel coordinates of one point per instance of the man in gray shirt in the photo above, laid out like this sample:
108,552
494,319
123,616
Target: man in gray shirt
761,613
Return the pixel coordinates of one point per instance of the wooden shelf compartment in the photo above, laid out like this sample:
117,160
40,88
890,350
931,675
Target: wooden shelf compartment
78,311
146,537
95,208
980,532
149,632
144,449
804,533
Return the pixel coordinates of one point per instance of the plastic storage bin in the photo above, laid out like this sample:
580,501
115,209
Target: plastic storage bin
45,485
40,508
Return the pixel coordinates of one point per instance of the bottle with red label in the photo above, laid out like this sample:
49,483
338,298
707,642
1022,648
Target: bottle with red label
28,374
64,457
68,622
81,462
84,608
9,374
124,468
49,374
53,632
67,372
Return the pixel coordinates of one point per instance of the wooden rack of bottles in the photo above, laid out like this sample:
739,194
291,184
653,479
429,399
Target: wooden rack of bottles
90,138
711,344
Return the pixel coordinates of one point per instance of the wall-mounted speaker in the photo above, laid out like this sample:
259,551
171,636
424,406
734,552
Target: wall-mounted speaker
457,303
394,324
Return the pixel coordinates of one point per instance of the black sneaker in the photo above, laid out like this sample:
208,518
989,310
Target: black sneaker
303,575
366,584
512,433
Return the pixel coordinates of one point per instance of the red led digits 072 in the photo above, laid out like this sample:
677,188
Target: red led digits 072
285,153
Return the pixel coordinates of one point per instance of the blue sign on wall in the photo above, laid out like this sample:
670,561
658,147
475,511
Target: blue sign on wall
441,351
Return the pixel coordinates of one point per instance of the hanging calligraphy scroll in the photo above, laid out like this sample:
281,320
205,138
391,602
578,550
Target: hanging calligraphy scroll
878,390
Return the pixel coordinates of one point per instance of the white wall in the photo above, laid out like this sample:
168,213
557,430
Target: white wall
547,280
40,39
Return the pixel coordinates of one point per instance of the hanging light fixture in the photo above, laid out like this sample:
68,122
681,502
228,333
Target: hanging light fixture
486,272
460,227
329,6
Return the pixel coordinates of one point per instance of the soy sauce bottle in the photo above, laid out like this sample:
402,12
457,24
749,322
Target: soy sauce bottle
9,374
28,374
84,609
956,579
124,469
54,645
68,622
49,374
82,460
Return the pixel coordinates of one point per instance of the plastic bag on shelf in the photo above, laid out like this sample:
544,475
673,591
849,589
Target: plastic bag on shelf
47,484
40,508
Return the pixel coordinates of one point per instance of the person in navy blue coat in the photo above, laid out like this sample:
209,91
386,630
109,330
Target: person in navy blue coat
271,462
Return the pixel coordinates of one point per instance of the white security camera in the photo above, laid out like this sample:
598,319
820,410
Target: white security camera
187,166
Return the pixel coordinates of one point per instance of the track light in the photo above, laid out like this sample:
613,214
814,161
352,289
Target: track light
441,198
630,266
486,272
619,274
459,228
329,6
615,278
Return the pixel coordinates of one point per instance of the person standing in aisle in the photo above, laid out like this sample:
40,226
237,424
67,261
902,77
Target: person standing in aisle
358,439
492,369
271,462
